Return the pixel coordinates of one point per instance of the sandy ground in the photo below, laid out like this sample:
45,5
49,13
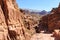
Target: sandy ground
42,36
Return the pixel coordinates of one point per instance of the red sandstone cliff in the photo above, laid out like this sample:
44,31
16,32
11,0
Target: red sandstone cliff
51,21
11,23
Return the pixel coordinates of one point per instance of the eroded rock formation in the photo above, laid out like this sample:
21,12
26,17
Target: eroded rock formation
51,21
11,23
54,19
3,26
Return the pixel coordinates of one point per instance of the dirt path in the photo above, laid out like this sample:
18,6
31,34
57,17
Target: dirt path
42,36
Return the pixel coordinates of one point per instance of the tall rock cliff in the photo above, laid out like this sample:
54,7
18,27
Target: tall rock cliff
51,21
11,23
54,19
3,26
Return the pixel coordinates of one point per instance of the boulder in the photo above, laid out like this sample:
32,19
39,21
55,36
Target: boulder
56,34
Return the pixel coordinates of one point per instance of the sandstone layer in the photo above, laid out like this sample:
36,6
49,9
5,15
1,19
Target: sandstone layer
11,23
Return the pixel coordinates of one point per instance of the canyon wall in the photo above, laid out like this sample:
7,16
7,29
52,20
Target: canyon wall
51,21
11,23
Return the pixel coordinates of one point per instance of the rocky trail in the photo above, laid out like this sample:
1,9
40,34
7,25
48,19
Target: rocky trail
42,36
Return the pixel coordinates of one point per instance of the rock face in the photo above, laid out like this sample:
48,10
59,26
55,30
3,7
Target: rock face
54,19
3,26
11,23
51,21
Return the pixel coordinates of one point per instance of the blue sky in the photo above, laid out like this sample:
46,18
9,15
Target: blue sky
38,4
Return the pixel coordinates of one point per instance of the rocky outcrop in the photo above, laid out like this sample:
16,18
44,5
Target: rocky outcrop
3,26
51,21
56,34
54,19
11,23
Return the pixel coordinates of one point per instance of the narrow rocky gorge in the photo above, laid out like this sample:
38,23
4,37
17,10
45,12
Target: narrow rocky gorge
15,24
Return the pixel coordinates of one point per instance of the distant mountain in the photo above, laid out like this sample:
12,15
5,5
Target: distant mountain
43,12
